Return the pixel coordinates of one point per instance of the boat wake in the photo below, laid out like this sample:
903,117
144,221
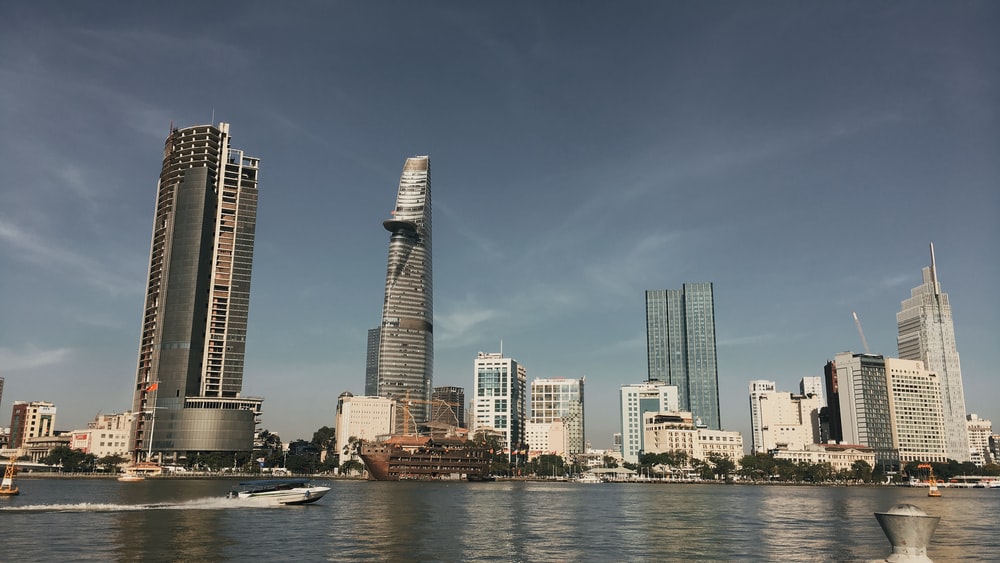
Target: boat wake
207,503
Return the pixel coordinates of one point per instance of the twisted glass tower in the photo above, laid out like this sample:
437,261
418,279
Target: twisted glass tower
189,381
406,343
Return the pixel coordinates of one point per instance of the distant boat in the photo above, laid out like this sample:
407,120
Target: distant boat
588,477
139,472
280,491
7,487
932,488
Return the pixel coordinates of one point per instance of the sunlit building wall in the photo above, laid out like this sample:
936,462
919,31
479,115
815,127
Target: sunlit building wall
927,333
500,401
637,400
780,418
361,418
980,431
863,397
915,408
561,399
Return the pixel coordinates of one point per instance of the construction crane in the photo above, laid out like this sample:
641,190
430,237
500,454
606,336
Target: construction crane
408,417
864,342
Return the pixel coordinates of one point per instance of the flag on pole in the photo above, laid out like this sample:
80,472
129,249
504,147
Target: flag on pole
153,387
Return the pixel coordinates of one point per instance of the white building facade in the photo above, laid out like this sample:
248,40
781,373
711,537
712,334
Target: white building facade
500,401
840,456
676,432
813,385
780,418
559,403
637,400
915,406
364,418
106,435
927,333
980,431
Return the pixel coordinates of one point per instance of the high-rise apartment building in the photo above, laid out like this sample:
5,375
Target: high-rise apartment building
813,385
636,401
980,431
927,333
915,407
865,416
371,362
500,385
33,419
782,419
680,347
559,400
188,388
830,428
406,343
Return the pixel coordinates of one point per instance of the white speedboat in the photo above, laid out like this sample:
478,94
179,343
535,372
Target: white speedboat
589,478
279,491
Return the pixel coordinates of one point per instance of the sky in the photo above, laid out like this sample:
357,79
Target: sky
801,156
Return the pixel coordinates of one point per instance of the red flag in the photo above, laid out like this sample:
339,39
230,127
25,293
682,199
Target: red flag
153,387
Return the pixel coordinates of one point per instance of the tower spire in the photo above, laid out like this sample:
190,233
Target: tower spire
934,282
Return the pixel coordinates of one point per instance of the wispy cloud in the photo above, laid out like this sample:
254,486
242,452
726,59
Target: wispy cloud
54,256
15,360
457,326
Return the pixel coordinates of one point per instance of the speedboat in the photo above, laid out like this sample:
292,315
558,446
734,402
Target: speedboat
279,491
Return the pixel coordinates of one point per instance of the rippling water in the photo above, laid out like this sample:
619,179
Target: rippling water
190,520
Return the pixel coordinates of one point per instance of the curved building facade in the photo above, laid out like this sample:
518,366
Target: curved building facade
189,380
406,340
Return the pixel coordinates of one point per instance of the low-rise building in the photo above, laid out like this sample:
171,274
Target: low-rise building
677,432
840,456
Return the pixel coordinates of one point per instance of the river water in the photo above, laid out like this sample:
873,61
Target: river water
190,520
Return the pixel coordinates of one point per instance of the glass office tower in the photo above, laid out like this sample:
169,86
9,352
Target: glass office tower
680,347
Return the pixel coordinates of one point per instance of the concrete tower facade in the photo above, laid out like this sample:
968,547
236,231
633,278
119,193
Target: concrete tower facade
560,400
189,382
680,347
406,343
500,403
927,333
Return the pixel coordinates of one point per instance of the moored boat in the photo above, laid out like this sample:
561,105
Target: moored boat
425,458
280,491
139,471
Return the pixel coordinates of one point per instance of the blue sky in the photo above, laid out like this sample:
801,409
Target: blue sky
799,155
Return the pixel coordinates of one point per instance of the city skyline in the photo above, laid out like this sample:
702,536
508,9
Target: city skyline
800,157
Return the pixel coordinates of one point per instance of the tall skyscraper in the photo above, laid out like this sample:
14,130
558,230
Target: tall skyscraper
406,345
371,362
500,398
926,333
560,400
863,396
188,389
680,347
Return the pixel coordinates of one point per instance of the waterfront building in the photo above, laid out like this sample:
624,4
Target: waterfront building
361,418
448,410
106,435
780,418
677,432
813,385
34,419
545,438
681,350
500,402
371,362
560,399
863,398
39,447
840,456
915,409
406,342
636,401
194,321
979,431
927,333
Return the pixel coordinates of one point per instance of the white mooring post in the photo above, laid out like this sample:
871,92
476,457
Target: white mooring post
909,530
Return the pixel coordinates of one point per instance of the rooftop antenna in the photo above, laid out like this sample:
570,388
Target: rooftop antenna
864,342
937,290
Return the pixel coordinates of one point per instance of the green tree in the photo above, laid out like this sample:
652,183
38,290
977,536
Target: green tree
70,460
110,463
722,466
351,467
861,471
